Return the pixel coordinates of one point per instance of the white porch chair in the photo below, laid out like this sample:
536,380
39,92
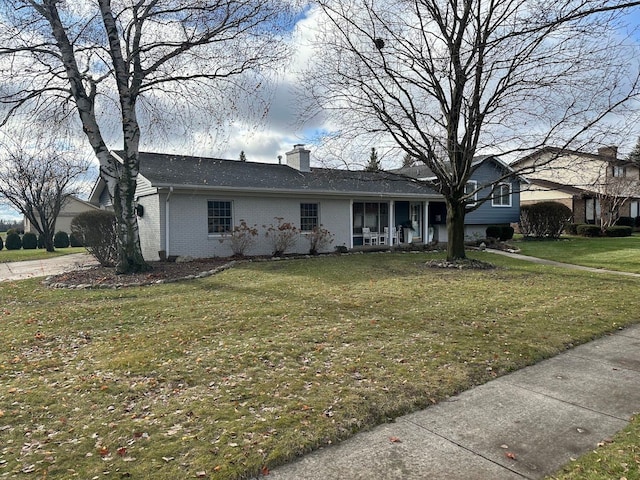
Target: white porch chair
368,238
384,238
395,236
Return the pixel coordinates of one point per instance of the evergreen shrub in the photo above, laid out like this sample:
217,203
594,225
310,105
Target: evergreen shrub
29,241
13,241
625,222
619,231
589,230
61,239
75,241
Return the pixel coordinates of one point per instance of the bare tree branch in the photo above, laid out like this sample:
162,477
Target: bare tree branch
443,81
110,61
37,174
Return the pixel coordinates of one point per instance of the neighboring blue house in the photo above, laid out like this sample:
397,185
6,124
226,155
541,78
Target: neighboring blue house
189,205
502,208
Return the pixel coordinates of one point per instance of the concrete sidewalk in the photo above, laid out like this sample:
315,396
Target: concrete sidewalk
43,268
553,263
521,426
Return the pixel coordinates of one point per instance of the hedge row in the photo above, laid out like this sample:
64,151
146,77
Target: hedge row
30,241
585,230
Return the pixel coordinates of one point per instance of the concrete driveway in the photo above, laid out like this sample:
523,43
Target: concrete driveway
43,268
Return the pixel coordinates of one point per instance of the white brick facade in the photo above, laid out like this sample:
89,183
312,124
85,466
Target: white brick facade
188,232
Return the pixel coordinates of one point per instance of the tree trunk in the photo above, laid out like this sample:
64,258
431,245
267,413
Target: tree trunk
48,242
130,259
455,230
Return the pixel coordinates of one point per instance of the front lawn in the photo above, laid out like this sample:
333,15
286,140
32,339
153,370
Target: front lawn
622,254
233,374
36,254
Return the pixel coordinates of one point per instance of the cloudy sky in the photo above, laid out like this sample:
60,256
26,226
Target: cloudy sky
280,129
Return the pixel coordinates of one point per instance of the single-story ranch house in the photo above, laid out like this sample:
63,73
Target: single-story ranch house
189,205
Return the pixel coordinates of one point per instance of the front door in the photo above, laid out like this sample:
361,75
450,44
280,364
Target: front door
415,215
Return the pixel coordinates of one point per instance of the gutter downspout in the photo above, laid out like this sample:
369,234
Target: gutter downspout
166,222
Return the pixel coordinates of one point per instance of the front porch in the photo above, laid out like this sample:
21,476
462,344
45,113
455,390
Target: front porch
395,222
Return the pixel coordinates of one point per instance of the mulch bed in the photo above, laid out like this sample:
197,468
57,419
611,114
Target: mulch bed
466,263
162,272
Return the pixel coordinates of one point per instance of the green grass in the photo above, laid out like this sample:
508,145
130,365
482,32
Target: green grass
621,254
252,367
37,254
617,458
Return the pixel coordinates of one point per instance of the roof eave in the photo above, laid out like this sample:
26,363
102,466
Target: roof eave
272,191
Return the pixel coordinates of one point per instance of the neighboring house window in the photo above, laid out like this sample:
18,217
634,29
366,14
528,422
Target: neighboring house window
308,216
502,195
469,187
219,218
619,171
592,210
634,209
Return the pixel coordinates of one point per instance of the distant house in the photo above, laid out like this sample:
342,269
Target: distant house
72,207
501,208
189,205
581,181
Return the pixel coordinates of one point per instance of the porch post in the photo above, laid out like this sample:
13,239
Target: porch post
425,238
351,223
392,222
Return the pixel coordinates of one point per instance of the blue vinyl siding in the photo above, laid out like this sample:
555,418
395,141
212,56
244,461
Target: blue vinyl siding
487,214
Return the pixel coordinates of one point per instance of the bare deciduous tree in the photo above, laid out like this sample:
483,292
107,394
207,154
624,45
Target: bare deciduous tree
443,80
37,175
146,60
612,191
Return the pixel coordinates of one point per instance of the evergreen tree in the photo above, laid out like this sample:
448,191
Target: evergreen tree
408,161
374,163
634,155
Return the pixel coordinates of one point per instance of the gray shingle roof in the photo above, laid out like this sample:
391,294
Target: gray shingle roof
422,171
164,170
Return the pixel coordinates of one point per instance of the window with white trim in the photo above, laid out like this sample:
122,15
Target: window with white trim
502,195
469,187
308,216
219,217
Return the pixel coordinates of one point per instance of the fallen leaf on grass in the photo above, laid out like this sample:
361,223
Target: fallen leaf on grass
264,470
395,440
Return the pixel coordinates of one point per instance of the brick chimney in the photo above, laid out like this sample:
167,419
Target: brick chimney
299,159
609,152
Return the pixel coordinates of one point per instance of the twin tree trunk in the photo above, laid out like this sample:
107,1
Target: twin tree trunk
122,191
